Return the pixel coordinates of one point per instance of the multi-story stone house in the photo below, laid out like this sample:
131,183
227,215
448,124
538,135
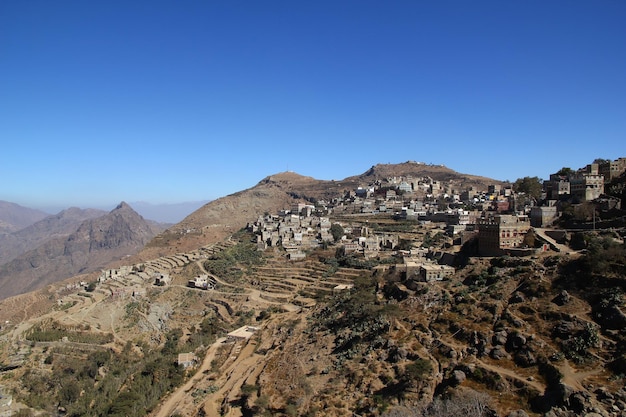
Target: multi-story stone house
500,233
436,189
493,189
405,187
467,195
587,183
612,169
557,187
423,270
434,272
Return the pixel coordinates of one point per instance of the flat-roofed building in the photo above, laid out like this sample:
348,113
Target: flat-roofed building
186,359
434,272
612,169
587,184
500,232
242,333
542,216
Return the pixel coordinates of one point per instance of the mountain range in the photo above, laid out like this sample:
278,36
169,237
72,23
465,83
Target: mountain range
14,217
334,333
59,246
36,249
73,242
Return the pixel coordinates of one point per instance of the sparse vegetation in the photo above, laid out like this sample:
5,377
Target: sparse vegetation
516,329
129,383
52,331
231,263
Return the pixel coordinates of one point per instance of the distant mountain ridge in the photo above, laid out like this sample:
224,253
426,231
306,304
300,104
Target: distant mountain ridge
122,232
54,226
14,217
95,243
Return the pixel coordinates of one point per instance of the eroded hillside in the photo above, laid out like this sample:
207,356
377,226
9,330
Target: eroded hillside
328,335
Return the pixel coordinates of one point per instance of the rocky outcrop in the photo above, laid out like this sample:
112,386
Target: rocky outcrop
59,225
94,244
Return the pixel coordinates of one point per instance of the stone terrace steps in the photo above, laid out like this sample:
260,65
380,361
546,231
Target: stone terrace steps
284,276
275,298
308,278
277,286
349,272
313,291
181,259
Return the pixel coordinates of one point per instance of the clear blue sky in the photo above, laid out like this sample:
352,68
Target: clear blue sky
171,101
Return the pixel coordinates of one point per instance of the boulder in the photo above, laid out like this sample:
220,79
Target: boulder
499,353
524,358
517,297
579,402
566,329
458,377
515,341
611,317
603,393
499,338
562,299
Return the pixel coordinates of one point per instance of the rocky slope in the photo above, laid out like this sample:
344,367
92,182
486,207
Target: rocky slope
504,336
55,226
91,246
539,336
219,218
419,170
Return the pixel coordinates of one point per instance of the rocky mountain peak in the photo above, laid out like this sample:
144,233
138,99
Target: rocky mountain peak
89,246
123,206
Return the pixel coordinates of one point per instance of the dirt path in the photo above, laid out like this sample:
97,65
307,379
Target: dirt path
498,369
236,374
180,399
574,379
512,374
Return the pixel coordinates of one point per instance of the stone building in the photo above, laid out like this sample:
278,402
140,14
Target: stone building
587,183
433,272
557,186
612,169
542,216
500,233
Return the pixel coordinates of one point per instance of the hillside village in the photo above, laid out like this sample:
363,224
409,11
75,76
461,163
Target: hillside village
414,236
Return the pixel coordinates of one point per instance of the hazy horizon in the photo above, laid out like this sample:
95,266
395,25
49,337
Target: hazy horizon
162,213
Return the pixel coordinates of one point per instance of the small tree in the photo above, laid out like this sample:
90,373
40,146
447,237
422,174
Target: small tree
565,171
528,185
336,230
417,371
530,239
